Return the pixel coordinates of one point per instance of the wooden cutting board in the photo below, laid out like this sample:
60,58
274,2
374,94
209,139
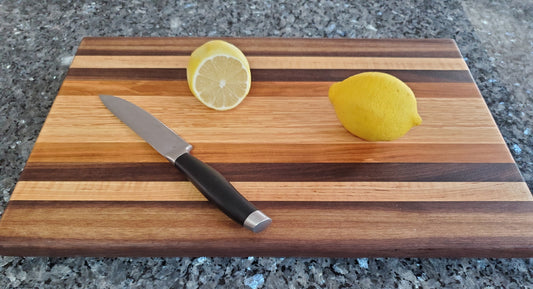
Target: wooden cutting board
92,187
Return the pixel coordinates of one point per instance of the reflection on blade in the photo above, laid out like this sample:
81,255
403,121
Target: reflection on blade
157,134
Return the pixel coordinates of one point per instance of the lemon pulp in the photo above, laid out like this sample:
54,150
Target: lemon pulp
218,74
375,106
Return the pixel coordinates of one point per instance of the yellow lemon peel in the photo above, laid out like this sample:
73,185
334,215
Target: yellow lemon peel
375,106
218,74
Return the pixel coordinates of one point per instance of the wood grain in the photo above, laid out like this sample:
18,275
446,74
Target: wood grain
265,88
260,75
448,188
330,191
266,62
393,229
289,120
275,47
117,152
283,172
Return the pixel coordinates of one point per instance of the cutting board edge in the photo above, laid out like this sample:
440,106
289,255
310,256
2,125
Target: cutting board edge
523,249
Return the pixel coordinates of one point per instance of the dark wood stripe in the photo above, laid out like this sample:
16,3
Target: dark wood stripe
130,52
460,207
127,73
341,74
434,229
436,48
338,43
269,74
280,172
260,88
422,247
247,52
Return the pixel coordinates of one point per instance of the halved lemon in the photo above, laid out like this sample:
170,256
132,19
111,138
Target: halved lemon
218,75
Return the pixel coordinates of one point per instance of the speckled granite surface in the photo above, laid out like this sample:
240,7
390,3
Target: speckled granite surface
38,41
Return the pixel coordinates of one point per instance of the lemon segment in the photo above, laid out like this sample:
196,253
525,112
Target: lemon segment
375,106
219,75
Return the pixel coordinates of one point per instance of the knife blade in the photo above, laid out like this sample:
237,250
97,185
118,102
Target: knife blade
175,149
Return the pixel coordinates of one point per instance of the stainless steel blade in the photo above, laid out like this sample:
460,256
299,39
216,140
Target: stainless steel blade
153,131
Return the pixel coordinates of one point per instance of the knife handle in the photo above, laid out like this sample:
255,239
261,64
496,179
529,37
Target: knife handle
219,191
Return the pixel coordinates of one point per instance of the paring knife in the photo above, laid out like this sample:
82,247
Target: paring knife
206,179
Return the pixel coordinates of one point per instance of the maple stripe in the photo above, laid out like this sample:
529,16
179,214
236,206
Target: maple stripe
280,172
297,75
273,191
266,62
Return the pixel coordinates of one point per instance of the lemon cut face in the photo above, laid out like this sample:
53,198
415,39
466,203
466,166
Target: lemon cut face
375,106
218,75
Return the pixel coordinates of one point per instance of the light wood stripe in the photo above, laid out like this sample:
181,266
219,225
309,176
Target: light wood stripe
265,62
293,120
396,220
141,152
275,191
266,88
286,112
326,134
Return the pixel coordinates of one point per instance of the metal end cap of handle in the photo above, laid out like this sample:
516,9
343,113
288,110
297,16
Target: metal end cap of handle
257,221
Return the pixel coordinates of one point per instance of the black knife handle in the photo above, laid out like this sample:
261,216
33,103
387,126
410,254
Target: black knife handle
219,191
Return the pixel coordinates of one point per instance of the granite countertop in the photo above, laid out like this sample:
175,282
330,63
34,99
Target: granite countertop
40,39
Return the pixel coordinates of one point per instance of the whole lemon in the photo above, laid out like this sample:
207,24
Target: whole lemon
375,106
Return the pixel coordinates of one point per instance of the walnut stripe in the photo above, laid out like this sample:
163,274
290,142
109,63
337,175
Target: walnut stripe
263,88
264,62
424,229
277,47
105,152
341,74
281,172
162,51
274,191
268,74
